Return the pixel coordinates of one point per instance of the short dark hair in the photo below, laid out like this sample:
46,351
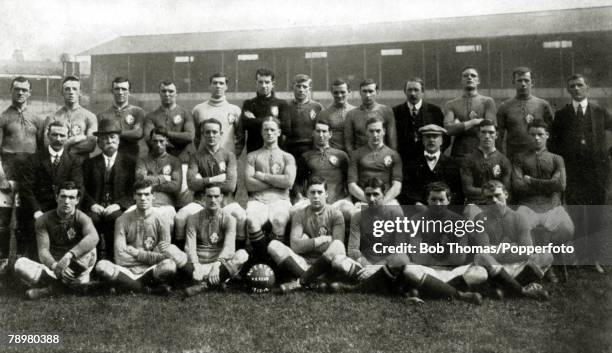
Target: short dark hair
210,121
121,79
68,185
466,67
316,180
212,185
20,79
323,121
367,82
538,123
264,72
70,78
272,119
417,80
340,82
166,82
438,186
218,74
521,70
487,122
159,131
142,184
576,77
375,119
57,123
493,184
375,183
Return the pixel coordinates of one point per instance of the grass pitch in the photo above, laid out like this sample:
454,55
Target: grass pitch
577,319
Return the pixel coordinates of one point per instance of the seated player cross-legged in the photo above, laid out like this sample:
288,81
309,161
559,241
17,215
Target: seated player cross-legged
446,266
509,272
395,272
144,257
317,233
66,240
211,244
212,164
270,173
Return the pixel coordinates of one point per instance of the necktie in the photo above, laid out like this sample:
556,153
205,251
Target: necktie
56,160
414,112
109,166
580,113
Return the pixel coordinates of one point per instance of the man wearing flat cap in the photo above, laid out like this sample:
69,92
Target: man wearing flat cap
430,166
108,180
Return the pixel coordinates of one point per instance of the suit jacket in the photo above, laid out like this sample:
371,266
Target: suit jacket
122,174
40,179
418,175
586,175
407,147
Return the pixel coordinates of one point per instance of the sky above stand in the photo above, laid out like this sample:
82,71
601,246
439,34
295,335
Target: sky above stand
44,30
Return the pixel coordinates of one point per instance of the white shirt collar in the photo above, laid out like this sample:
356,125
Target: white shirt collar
110,159
437,154
583,104
417,106
53,153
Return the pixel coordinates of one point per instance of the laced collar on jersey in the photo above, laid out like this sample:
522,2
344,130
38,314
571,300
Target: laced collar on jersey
168,109
295,101
368,108
322,150
487,155
271,148
212,153
68,221
22,120
120,109
340,105
76,107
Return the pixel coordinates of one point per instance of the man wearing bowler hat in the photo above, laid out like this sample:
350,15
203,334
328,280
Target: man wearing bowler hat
108,180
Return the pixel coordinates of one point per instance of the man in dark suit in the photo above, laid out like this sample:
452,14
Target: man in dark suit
108,179
430,166
412,115
47,169
578,135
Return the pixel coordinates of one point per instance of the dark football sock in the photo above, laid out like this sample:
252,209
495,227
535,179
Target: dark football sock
320,266
148,279
505,281
126,282
435,288
224,274
292,267
240,244
379,281
45,280
260,249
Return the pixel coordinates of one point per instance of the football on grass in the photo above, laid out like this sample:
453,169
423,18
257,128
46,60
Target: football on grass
261,278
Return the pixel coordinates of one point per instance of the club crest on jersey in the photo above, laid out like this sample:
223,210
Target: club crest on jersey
167,169
177,119
129,119
274,110
214,238
313,114
71,233
333,160
149,242
222,166
496,170
75,130
529,118
322,230
276,168
388,161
